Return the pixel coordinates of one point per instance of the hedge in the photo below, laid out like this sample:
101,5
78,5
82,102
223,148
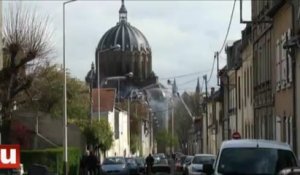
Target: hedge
53,159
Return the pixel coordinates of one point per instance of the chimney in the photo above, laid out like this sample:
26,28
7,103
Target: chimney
212,90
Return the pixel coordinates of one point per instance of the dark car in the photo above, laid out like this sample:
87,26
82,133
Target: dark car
8,172
132,166
161,167
141,164
115,166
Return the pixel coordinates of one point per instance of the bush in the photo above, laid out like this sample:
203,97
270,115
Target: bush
52,158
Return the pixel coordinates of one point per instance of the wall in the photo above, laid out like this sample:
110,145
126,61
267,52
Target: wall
247,93
46,126
298,100
232,102
281,69
262,75
111,120
204,135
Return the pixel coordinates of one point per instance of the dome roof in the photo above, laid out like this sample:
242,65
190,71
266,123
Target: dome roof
124,34
127,36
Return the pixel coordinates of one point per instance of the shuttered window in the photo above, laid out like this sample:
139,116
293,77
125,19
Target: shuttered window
289,60
283,62
278,68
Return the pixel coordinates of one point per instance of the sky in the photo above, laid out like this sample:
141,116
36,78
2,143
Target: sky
183,35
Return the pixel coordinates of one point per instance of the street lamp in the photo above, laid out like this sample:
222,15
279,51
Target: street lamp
115,47
118,78
174,91
65,121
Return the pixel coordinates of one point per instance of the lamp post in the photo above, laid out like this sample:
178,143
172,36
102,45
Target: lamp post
118,78
98,52
174,91
65,121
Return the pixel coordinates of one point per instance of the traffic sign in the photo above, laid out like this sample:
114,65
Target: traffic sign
236,135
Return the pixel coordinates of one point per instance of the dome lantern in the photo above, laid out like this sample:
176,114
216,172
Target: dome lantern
123,13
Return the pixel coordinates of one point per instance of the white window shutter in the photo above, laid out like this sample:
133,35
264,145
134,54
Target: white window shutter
278,69
283,62
278,128
290,67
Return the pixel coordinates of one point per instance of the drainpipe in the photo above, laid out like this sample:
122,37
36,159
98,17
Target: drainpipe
294,123
236,101
228,123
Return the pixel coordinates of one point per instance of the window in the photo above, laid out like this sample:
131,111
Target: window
203,160
289,60
284,134
283,62
278,65
278,128
248,82
116,125
239,91
245,87
291,133
251,84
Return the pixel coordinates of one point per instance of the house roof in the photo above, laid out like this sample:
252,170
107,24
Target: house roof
107,99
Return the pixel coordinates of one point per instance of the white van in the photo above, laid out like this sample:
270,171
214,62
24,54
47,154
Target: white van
252,157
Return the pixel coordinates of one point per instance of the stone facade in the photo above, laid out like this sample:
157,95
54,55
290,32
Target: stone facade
244,86
262,71
282,71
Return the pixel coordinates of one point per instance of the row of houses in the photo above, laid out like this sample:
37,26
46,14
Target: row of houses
259,92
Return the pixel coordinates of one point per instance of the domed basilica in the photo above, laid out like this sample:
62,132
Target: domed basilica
123,50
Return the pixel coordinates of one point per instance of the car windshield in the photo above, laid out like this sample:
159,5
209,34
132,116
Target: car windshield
182,159
254,161
188,159
203,160
114,160
160,161
131,162
140,161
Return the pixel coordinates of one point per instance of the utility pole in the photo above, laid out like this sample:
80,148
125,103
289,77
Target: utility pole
206,110
217,57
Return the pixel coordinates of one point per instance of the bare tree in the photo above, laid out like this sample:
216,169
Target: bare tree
26,41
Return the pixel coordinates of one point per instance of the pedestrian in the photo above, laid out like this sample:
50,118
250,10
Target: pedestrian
92,163
149,162
83,163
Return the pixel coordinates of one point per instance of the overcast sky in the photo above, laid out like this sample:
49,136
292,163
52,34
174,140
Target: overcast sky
183,34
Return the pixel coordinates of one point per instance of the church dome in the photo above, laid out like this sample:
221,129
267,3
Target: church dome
125,35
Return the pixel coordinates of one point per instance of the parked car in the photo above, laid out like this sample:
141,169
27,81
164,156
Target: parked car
141,164
187,162
115,165
252,157
19,171
196,165
290,171
161,167
132,166
159,156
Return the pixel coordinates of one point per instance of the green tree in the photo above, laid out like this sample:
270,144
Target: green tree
183,121
165,139
47,89
99,133
134,143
